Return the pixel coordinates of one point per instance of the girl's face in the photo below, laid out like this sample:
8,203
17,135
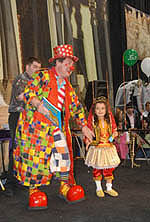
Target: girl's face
100,110
120,125
145,124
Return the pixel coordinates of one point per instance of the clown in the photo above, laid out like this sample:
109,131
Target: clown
43,150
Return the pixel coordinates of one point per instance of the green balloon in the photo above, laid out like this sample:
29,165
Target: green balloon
130,57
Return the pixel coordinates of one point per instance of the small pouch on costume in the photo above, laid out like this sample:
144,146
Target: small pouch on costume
111,139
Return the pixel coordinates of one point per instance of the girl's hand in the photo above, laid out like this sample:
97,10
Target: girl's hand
115,134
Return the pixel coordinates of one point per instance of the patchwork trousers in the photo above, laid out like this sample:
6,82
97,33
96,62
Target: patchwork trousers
60,160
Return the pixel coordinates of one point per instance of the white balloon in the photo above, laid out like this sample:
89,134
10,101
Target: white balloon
145,66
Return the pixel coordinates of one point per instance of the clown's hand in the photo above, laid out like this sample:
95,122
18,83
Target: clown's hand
42,109
88,133
20,97
87,142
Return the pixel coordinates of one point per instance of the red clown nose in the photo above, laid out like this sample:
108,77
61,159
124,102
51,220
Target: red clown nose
72,68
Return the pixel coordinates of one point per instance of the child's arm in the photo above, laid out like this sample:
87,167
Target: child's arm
127,138
113,136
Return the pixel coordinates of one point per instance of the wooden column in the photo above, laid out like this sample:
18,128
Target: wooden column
94,23
9,49
58,18
108,53
69,36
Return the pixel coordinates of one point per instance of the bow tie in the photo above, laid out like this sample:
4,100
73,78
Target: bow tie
58,84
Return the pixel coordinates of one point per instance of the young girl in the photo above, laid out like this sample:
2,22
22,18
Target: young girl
121,142
102,154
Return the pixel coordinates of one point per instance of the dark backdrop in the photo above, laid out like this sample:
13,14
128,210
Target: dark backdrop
36,41
34,30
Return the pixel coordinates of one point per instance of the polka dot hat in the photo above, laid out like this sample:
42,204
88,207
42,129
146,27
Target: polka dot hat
63,51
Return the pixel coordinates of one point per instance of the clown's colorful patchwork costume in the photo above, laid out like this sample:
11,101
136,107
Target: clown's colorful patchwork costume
40,150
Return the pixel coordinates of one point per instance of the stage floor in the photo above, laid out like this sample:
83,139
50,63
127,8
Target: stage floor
132,204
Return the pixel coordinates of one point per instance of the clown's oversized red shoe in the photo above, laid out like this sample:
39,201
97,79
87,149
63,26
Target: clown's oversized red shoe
72,194
37,200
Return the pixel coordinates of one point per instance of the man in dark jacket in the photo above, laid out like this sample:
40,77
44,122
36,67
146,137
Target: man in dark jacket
133,122
16,106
